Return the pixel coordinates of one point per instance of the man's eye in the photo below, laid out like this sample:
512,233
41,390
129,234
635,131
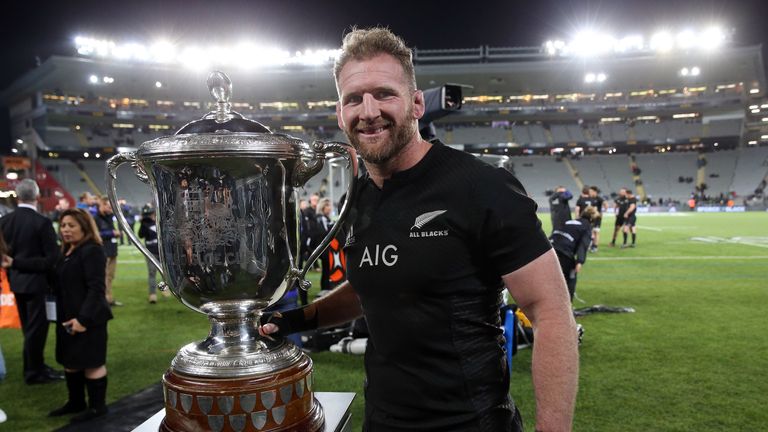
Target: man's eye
383,95
354,99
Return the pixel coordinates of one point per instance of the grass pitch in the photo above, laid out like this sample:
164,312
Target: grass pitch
692,358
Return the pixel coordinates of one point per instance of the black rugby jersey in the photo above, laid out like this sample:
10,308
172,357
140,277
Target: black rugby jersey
426,254
631,201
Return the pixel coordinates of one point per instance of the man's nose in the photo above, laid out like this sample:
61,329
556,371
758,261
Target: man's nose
370,108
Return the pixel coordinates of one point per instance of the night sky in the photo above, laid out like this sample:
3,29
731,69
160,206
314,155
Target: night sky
40,29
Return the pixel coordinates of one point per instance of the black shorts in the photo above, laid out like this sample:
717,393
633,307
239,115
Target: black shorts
630,221
619,220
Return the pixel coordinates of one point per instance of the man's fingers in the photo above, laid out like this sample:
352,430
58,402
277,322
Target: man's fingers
269,328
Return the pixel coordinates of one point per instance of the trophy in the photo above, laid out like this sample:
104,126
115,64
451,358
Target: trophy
227,222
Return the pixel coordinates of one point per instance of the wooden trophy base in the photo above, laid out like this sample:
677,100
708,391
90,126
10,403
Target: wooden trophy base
281,401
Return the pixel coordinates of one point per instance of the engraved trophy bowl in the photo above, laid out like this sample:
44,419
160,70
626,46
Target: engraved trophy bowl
228,234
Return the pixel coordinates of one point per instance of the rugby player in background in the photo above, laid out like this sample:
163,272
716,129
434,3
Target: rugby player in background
599,203
621,206
630,219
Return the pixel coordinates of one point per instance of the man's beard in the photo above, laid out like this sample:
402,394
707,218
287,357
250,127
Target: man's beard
380,152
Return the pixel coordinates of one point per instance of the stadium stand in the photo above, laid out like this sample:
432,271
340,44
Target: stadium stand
720,170
539,174
661,171
525,103
592,173
751,169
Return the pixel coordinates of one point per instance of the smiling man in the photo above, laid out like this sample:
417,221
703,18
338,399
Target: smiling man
433,238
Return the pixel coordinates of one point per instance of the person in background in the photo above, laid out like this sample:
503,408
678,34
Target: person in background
584,201
571,243
83,313
109,235
32,255
62,205
620,207
601,206
148,231
322,226
88,201
559,209
630,220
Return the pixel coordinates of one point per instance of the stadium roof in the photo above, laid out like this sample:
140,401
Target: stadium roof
71,75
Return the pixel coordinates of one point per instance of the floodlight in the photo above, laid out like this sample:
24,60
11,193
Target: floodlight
601,77
97,155
711,38
753,142
684,71
550,47
695,71
686,39
662,42
86,154
629,43
93,79
19,141
755,111
589,78
194,58
158,84
15,150
590,43
754,91
162,52
12,176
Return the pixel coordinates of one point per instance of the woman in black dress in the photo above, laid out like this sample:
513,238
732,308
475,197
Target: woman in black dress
83,312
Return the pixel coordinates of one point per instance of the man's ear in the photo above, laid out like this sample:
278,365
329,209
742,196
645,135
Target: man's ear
419,106
338,116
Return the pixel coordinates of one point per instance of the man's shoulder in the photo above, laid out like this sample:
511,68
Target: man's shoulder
24,214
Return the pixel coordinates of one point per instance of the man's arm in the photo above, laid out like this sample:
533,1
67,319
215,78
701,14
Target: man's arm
629,211
540,290
584,241
340,306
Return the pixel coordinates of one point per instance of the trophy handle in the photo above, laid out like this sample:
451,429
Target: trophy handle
112,164
349,153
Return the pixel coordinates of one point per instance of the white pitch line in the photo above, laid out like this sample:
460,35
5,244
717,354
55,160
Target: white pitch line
692,257
649,228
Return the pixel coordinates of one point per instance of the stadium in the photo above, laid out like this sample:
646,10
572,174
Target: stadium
680,116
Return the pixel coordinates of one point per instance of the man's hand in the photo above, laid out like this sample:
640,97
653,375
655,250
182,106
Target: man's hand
7,261
578,267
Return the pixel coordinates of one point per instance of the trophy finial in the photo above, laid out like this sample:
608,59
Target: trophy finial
220,87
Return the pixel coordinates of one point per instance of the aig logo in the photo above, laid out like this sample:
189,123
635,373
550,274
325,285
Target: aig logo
386,255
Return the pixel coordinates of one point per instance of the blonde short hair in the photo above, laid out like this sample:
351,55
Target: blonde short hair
364,44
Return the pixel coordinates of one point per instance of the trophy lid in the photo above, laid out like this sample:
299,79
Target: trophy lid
223,118
222,132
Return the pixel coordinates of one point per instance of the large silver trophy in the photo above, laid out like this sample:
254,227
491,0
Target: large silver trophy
227,221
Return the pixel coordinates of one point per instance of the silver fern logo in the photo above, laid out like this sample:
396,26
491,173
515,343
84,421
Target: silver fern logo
426,218
423,220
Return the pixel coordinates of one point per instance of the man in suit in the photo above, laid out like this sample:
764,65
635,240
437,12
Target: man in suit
33,253
105,222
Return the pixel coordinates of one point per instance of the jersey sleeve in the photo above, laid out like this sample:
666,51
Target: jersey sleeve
510,234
